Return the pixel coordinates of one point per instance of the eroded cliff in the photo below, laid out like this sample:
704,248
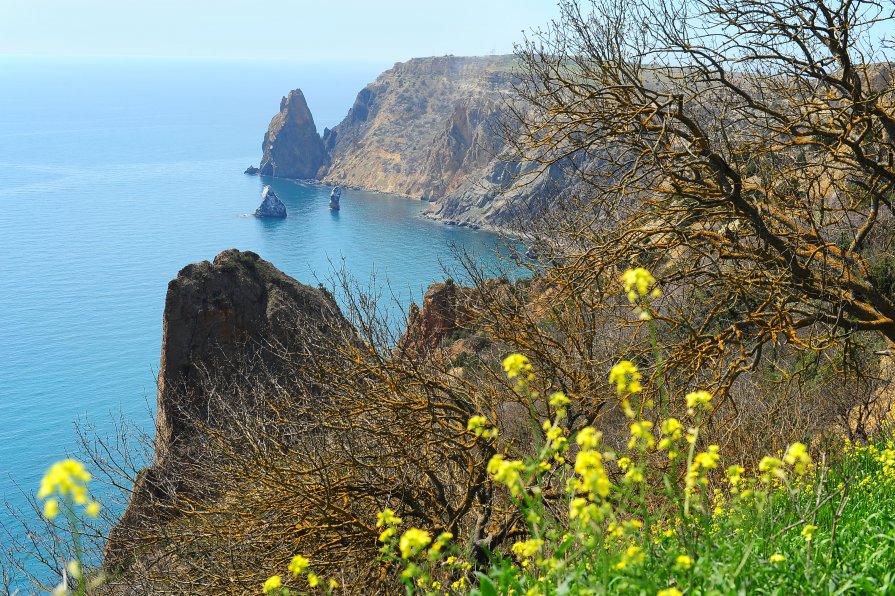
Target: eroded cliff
236,318
428,128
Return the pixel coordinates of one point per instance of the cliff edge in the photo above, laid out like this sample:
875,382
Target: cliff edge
230,319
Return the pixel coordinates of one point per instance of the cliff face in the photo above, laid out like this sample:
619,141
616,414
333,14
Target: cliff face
292,148
412,131
427,129
223,321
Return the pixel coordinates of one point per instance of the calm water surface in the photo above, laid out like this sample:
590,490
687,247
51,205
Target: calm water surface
113,176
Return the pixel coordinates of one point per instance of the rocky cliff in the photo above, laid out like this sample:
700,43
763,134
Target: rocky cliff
231,319
427,129
292,148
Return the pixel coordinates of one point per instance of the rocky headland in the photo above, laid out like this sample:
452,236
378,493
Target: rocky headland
225,320
428,128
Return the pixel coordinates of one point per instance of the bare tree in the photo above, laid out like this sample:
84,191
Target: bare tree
741,149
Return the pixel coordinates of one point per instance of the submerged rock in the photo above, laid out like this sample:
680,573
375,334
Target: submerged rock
271,205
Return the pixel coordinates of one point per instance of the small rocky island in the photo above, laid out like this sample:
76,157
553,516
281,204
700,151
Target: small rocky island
271,205
334,197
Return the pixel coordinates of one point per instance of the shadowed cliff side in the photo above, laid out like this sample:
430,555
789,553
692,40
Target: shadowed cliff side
238,317
292,148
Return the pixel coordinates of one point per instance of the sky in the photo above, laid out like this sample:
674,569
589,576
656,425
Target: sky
306,30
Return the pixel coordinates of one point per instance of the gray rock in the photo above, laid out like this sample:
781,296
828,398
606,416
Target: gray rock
334,197
252,171
292,148
271,205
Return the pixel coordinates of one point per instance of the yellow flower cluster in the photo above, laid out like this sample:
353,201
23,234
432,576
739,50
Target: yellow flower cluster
517,365
641,435
702,463
526,549
274,582
633,555
68,480
481,428
672,431
298,566
413,541
507,472
638,283
698,400
626,378
797,457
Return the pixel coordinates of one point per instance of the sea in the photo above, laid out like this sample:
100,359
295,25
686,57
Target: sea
114,174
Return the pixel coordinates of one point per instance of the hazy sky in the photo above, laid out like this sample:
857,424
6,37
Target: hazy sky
297,30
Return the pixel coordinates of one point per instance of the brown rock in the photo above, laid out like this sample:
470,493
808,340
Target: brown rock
446,309
223,321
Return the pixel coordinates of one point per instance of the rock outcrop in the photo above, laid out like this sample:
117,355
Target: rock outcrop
271,205
252,171
430,129
445,309
292,148
224,321
334,198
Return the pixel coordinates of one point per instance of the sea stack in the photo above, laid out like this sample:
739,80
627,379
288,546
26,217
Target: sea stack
271,205
292,148
334,197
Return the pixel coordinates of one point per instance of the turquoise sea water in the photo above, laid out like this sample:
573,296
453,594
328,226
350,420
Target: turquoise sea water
114,175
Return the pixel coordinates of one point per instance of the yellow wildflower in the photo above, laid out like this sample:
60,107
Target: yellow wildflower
273,582
777,558
313,580
669,592
632,556
517,365
593,478
559,399
527,548
51,508
507,472
479,426
808,532
797,457
684,561
625,377
770,468
443,539
299,564
92,509
333,584
735,475
708,460
387,517
586,511
641,434
387,534
698,399
412,541
588,438
68,479
638,283
74,569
